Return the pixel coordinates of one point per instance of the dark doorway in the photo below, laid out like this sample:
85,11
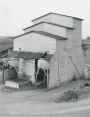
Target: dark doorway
41,78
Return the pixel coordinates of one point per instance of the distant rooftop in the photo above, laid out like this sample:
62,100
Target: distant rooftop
5,43
56,14
86,41
5,37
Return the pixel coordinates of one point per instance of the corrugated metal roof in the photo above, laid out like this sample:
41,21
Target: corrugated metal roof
29,55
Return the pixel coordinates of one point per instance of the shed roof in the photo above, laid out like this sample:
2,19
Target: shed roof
29,55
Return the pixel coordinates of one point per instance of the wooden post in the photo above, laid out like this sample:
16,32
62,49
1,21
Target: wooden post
3,80
47,78
36,77
44,77
36,67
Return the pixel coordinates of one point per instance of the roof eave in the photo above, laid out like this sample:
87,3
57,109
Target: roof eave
48,23
55,14
45,34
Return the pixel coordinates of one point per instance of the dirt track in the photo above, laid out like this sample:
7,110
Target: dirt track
40,103
17,104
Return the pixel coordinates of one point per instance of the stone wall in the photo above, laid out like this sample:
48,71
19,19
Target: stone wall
68,61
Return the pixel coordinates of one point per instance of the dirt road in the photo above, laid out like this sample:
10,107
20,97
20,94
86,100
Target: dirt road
18,104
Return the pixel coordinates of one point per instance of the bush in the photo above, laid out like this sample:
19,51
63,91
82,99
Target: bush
82,77
87,84
74,78
68,96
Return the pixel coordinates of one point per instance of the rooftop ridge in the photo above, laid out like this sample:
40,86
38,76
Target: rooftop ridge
56,14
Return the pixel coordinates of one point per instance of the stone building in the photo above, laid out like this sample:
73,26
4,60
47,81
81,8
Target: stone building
60,38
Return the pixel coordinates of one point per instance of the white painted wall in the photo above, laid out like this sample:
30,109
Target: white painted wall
29,67
59,31
63,20
13,62
57,19
29,70
43,64
21,66
39,27
34,42
1,74
52,29
46,18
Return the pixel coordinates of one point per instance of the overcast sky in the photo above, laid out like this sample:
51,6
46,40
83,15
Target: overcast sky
17,14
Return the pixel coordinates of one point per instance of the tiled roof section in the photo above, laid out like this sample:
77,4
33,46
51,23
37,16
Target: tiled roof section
56,14
43,33
48,23
13,54
29,55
